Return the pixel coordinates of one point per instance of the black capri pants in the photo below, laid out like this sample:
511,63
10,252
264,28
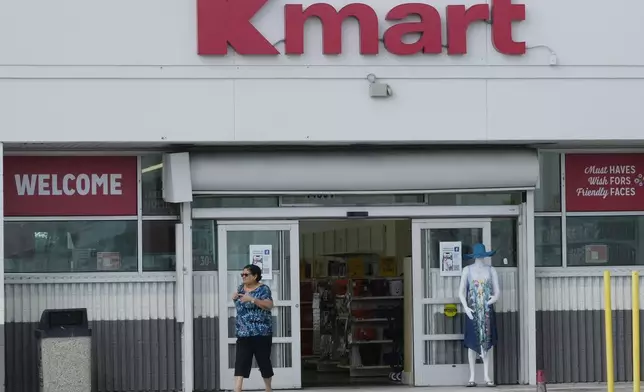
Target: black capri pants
259,347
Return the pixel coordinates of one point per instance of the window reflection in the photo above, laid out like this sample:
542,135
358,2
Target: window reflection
152,187
547,231
235,202
239,243
204,245
548,197
474,199
607,240
504,241
159,245
70,246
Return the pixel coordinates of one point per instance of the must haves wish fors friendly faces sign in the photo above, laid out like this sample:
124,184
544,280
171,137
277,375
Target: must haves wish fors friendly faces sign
70,186
604,182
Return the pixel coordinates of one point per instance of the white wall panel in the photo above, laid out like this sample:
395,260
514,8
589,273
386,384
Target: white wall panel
123,71
560,109
116,110
104,301
115,32
581,32
328,110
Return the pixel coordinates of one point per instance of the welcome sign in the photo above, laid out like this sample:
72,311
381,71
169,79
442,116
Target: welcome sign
70,185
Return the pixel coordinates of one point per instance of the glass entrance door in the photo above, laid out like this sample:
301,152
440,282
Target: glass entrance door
276,245
439,356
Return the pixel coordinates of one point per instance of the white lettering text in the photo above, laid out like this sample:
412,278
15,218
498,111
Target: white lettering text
621,169
68,184
595,170
599,192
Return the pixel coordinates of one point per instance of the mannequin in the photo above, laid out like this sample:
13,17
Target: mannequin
478,291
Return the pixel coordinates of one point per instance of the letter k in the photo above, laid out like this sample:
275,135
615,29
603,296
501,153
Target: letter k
228,22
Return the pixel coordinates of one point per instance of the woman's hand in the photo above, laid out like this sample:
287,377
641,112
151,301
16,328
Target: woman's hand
235,295
246,298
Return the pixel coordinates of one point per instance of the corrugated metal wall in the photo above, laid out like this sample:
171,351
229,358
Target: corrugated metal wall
206,331
570,327
136,340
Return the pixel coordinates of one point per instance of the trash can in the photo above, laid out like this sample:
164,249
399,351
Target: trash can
64,351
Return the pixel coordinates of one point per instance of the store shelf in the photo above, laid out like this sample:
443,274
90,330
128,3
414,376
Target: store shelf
376,367
354,310
370,320
386,297
371,342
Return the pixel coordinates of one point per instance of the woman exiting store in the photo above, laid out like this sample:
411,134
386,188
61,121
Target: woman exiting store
254,327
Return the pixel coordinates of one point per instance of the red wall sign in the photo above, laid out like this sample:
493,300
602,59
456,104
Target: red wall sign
69,186
605,182
223,23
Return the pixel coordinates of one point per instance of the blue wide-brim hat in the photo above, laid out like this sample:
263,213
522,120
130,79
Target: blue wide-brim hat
479,252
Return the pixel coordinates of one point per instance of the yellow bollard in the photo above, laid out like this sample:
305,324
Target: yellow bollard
636,330
608,322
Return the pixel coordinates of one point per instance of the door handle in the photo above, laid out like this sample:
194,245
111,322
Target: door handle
297,305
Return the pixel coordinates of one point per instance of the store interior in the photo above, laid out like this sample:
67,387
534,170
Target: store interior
352,302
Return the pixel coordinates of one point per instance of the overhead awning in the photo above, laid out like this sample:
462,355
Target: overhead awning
384,171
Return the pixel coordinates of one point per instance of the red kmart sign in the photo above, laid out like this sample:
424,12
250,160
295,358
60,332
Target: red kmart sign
224,23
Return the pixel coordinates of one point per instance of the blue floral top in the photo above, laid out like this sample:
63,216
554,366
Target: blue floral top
251,319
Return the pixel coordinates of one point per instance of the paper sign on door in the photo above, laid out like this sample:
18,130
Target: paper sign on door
451,258
262,256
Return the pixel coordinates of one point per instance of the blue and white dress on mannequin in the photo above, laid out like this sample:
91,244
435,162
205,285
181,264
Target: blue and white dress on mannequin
480,333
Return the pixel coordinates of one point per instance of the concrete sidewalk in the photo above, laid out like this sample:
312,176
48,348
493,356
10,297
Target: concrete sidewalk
620,387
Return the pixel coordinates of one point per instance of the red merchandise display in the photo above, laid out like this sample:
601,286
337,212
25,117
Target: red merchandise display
70,185
306,291
604,182
306,316
307,342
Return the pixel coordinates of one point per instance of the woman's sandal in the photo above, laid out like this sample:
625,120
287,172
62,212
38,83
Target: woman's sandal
471,384
490,384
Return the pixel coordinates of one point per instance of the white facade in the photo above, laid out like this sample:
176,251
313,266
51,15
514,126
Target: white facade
73,71
78,76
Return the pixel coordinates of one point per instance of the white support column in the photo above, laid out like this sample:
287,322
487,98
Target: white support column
524,357
2,306
188,307
531,287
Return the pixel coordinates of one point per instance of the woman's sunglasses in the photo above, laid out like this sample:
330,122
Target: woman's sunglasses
245,275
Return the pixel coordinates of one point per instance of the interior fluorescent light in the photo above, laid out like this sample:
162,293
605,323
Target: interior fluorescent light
152,168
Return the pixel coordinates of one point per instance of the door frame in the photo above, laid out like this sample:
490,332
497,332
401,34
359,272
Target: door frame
448,374
285,378
259,214
256,215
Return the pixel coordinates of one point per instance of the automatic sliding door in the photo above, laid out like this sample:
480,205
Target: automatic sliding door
237,243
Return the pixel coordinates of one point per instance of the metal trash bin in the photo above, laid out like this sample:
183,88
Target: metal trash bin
64,351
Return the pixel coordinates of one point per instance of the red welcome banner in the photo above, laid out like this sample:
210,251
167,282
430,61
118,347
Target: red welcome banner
604,182
70,186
